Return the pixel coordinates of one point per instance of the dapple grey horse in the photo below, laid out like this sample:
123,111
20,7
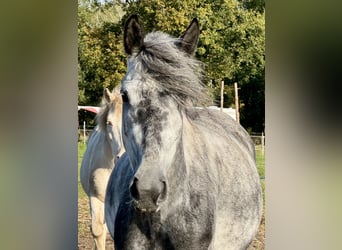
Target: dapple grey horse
188,179
104,147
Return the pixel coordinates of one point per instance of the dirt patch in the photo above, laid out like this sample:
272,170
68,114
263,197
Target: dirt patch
259,241
85,241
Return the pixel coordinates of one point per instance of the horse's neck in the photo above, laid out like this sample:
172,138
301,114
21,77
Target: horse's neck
195,146
179,172
102,148
190,137
107,147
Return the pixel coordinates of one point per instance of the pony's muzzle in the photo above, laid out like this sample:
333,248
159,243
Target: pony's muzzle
147,197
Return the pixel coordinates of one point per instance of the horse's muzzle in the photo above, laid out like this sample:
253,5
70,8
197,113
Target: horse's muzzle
147,198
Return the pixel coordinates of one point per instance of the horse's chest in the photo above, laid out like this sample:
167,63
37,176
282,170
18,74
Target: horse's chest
186,230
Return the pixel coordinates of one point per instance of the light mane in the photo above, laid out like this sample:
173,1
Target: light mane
101,117
177,74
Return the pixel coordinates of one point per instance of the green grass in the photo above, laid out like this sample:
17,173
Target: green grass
81,149
260,161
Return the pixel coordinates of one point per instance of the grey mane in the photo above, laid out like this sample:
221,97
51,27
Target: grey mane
176,74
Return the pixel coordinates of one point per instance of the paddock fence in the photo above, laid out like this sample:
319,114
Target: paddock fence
84,132
259,140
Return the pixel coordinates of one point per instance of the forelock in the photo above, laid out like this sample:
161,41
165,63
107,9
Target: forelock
176,73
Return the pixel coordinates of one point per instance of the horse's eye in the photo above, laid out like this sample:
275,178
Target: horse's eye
124,96
109,123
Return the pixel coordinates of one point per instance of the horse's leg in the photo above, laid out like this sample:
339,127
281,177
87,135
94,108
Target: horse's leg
98,226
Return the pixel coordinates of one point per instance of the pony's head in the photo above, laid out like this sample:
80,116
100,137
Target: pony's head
162,78
109,120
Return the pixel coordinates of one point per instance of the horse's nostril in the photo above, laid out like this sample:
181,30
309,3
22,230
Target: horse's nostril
134,189
162,195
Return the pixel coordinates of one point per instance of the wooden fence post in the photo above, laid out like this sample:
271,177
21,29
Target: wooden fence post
222,87
237,103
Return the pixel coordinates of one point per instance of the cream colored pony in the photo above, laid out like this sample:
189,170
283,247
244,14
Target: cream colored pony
104,148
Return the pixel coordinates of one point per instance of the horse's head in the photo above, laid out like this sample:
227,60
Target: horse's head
162,77
110,120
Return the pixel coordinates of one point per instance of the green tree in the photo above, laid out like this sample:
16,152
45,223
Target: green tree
231,44
232,36
101,61
257,5
252,110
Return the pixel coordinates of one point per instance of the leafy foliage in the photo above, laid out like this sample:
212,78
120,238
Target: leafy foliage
232,37
101,61
256,5
252,112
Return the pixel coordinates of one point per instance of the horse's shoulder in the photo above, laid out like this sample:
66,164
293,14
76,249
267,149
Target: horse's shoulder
210,119
213,123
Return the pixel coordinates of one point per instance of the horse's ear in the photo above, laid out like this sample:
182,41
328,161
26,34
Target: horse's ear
133,35
188,41
107,94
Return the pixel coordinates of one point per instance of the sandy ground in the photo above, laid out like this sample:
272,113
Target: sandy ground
85,241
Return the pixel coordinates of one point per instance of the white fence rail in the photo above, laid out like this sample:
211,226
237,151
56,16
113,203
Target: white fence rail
259,140
84,132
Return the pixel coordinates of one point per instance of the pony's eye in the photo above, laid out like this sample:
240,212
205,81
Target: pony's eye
124,96
109,123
